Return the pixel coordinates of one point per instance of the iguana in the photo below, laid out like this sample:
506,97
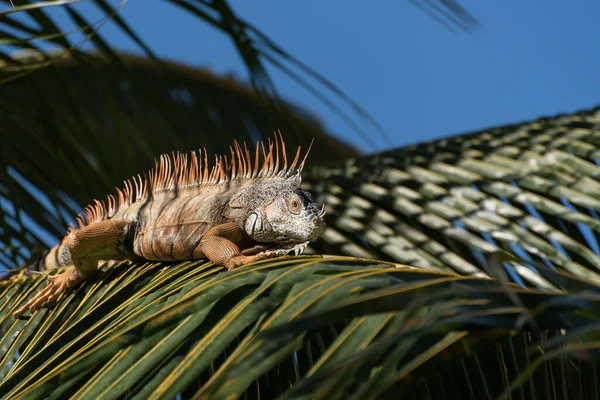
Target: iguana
237,213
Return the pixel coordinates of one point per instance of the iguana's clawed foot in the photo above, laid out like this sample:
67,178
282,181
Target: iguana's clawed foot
296,250
238,261
57,285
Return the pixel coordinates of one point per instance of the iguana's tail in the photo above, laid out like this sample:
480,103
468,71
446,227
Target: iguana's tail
50,260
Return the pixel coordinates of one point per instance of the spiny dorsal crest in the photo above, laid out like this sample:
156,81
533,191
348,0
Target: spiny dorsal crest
182,172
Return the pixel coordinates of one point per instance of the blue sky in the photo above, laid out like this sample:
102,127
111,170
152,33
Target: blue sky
528,59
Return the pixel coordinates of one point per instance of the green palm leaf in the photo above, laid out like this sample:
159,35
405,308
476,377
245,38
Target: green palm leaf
302,327
521,198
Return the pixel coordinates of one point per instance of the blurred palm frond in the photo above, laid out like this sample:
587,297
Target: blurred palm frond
40,26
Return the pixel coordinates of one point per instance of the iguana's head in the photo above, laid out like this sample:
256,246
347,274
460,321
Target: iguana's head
281,211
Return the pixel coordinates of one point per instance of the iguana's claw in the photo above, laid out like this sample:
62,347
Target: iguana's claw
297,250
47,275
57,285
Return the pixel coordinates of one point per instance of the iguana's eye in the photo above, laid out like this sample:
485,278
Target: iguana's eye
295,204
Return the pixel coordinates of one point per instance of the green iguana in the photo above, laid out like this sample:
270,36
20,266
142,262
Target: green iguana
237,213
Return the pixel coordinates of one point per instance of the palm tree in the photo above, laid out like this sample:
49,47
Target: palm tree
463,267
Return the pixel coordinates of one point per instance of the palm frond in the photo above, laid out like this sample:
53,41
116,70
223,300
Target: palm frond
509,202
303,327
255,48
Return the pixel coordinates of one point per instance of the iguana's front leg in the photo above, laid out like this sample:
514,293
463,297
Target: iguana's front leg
224,244
85,247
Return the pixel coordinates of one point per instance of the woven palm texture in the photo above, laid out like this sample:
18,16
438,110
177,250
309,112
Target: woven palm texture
526,195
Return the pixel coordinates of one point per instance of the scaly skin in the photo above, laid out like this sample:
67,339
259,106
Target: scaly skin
236,215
